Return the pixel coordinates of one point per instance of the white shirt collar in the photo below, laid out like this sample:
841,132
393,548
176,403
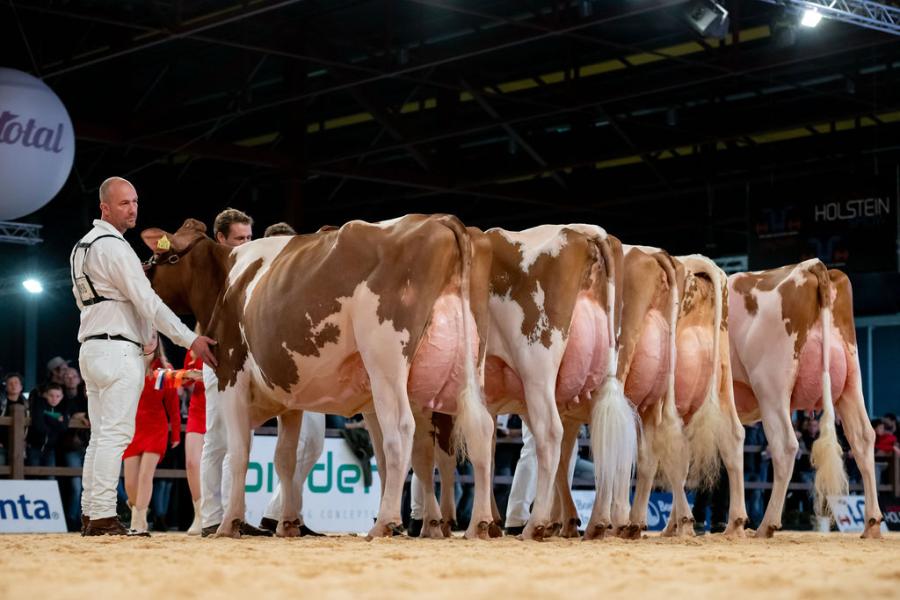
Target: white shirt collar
108,227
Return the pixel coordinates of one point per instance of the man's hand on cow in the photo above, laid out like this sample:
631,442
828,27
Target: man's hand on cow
202,347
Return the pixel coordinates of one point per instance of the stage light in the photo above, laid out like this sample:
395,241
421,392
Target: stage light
33,286
811,17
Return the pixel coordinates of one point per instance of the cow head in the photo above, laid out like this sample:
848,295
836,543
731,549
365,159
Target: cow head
186,269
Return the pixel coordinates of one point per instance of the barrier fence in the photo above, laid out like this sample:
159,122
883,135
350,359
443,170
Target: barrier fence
16,469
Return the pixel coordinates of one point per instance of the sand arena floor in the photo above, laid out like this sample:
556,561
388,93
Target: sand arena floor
793,565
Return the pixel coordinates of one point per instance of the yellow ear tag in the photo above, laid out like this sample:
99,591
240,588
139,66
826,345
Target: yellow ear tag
163,244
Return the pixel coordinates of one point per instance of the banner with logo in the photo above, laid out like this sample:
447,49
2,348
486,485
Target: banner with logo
335,499
850,513
849,223
30,506
658,509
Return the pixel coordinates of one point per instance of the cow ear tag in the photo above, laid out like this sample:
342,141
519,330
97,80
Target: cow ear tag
163,244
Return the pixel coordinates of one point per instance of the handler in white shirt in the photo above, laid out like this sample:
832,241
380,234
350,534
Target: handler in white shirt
119,310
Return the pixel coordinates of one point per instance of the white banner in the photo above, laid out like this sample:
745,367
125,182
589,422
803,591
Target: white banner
29,506
334,498
850,513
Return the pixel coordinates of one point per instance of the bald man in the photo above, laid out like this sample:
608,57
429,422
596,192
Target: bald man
119,312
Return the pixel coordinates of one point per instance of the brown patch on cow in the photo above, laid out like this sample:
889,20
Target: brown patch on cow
842,308
313,272
764,281
723,326
232,351
697,292
799,308
559,277
442,428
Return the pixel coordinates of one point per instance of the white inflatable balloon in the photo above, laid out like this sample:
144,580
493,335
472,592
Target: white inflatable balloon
37,144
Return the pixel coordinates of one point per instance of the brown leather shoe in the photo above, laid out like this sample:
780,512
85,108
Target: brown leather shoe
209,531
84,523
111,526
268,524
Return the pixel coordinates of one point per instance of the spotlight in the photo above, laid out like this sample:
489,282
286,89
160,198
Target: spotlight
811,17
33,286
708,18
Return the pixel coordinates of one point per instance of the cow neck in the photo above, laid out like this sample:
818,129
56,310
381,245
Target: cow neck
208,277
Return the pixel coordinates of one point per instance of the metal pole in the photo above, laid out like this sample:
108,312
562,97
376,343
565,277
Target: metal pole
31,341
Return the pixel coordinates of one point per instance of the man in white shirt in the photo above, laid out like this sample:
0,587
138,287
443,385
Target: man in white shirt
119,311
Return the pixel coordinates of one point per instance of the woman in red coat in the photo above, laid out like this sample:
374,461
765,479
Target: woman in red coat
157,423
193,440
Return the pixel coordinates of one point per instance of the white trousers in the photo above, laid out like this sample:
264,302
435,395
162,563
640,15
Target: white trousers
524,485
309,448
113,373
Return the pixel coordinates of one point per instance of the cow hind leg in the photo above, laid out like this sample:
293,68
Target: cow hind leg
397,429
783,447
673,450
545,425
475,426
731,448
285,463
851,406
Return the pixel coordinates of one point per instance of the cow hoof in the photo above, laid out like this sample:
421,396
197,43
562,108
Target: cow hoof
494,530
554,529
479,531
379,531
288,529
735,529
872,530
597,532
570,530
767,531
232,531
535,533
685,527
446,527
432,529
632,531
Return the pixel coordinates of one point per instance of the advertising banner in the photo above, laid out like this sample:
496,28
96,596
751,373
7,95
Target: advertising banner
30,506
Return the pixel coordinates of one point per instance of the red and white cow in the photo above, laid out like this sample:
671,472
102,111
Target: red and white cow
365,316
555,309
780,324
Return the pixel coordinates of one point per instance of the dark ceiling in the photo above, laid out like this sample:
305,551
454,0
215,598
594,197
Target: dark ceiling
506,113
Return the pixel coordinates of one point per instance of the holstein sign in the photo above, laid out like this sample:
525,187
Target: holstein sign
335,498
37,144
28,506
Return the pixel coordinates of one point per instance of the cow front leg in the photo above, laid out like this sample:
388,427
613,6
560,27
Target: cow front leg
446,464
423,467
237,418
289,425
566,520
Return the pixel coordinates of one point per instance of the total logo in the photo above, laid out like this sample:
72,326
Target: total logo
26,508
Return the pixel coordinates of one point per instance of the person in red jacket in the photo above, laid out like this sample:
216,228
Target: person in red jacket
193,439
157,424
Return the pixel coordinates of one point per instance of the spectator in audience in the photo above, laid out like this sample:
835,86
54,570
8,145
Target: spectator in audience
74,441
890,423
11,393
885,443
48,423
56,370
157,412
